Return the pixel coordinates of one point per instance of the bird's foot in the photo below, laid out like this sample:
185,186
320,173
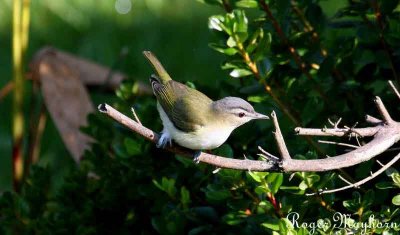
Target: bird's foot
196,157
165,138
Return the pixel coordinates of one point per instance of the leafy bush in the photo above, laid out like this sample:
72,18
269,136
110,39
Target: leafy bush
285,56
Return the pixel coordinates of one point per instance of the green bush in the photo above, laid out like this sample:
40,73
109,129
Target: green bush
307,60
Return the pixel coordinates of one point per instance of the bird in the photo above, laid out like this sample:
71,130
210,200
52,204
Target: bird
190,118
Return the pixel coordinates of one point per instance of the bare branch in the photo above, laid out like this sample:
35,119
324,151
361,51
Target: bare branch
136,116
214,160
361,182
394,89
337,143
339,132
384,137
372,120
267,155
344,180
383,111
279,138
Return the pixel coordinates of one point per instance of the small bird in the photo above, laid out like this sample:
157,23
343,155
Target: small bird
190,118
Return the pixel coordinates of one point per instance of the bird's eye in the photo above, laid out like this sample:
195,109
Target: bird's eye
241,115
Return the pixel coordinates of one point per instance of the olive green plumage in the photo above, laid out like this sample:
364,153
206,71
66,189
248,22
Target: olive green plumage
184,113
192,119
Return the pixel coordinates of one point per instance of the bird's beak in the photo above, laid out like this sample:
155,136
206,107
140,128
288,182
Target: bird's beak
260,116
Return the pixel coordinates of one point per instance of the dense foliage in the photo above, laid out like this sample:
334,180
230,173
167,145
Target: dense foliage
285,56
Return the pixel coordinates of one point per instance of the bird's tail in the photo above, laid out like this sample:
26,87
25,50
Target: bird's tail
163,76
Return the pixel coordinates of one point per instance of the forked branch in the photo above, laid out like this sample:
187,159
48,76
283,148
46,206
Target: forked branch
385,134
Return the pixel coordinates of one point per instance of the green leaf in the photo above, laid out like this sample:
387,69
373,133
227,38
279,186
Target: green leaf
211,2
231,42
286,227
396,200
166,185
275,181
240,24
237,73
227,51
261,190
396,179
247,3
220,23
215,194
312,179
216,22
257,98
385,185
353,204
232,219
185,196
263,47
258,176
303,185
274,227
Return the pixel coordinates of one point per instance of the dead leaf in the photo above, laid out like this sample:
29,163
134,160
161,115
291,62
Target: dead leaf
67,101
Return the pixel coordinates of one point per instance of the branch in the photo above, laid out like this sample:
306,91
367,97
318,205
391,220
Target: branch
372,120
361,182
394,89
338,132
383,111
384,136
222,162
279,139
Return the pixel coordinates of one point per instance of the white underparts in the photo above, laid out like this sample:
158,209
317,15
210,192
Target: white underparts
204,138
165,138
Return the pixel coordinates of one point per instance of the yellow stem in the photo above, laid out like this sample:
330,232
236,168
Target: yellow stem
21,15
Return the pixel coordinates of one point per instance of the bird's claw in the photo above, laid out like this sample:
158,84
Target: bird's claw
196,157
164,140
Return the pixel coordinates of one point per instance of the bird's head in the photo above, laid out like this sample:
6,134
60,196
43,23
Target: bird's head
234,111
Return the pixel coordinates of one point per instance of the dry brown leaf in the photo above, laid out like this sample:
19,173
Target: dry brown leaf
90,73
63,78
66,100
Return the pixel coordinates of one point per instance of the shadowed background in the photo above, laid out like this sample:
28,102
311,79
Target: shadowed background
176,30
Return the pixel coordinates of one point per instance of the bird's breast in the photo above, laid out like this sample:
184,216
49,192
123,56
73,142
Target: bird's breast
204,138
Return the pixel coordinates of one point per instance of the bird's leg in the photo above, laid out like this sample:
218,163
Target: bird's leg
196,157
164,139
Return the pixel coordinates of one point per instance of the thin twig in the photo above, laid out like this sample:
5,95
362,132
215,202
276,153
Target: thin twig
394,89
386,136
6,89
279,138
372,120
136,116
382,110
337,143
36,138
227,6
344,180
211,159
266,154
361,182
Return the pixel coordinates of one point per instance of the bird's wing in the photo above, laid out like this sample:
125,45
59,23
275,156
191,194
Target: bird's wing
182,112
